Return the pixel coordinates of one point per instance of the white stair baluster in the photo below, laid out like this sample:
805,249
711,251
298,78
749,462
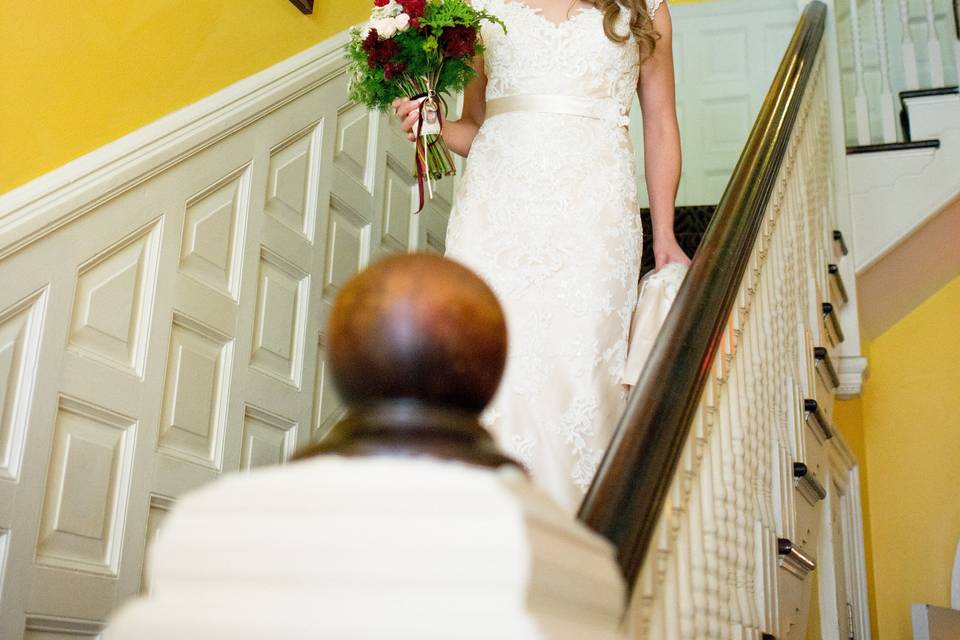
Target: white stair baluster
887,118
908,48
934,49
860,100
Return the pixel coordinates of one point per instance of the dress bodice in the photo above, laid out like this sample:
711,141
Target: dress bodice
546,212
571,58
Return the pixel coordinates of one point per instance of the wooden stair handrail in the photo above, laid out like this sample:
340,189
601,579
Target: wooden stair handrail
631,484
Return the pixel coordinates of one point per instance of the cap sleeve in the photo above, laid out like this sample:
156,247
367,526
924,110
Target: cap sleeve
652,6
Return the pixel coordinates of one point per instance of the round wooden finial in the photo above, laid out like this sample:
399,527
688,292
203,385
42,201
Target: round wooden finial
416,347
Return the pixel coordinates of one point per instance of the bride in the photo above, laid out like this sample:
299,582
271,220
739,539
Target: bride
547,213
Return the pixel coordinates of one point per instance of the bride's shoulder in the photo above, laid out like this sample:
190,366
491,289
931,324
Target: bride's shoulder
653,5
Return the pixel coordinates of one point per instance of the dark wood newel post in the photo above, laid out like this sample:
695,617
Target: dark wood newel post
417,346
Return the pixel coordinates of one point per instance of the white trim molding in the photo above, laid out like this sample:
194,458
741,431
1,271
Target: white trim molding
54,199
853,372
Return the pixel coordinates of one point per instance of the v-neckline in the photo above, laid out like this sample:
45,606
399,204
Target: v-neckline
538,12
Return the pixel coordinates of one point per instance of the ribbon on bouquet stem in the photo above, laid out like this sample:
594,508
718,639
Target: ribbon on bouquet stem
428,100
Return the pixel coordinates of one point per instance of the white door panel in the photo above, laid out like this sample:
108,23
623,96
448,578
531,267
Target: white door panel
725,56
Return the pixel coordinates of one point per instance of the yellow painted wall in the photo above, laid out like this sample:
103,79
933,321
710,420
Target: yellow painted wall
77,75
907,430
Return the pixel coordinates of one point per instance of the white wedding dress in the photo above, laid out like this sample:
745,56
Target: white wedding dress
547,214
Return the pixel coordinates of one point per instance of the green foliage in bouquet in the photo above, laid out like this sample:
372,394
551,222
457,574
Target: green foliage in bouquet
434,50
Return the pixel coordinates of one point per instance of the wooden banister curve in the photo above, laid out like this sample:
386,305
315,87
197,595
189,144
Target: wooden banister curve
631,485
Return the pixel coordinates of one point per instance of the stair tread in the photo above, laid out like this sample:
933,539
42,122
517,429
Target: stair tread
925,93
894,146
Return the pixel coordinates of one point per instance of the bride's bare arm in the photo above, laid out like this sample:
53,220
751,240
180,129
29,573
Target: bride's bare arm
458,134
661,140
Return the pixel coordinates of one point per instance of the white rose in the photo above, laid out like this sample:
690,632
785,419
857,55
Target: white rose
402,21
385,27
387,11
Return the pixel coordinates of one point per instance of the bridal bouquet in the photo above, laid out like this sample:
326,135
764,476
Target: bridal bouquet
419,49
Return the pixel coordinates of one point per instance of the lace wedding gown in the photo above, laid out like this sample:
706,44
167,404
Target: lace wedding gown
547,214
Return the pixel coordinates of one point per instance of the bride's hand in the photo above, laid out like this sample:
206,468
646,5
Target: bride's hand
408,111
667,250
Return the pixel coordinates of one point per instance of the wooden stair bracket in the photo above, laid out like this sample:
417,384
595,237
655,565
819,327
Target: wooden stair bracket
417,346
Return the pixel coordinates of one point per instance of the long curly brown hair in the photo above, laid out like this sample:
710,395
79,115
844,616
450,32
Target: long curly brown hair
640,23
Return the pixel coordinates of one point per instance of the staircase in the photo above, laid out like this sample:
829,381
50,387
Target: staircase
727,497
726,491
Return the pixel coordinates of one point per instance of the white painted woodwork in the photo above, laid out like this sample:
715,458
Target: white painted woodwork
161,320
934,49
906,46
842,571
885,99
861,109
713,570
911,75
932,116
851,364
434,550
725,55
894,193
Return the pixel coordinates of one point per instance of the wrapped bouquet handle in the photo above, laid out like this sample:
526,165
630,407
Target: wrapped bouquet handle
429,134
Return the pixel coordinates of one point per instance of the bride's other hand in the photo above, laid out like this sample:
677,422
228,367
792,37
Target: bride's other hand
408,111
667,250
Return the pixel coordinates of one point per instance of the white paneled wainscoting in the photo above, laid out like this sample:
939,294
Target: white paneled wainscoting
170,291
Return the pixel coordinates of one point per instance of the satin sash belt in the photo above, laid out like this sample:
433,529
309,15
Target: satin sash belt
604,109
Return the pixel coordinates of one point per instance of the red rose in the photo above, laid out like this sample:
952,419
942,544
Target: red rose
458,41
381,3
392,69
378,52
413,8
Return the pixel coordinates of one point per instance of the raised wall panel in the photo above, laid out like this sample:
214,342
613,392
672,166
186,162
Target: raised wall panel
114,300
159,509
194,410
353,149
726,123
214,229
4,547
327,406
86,489
435,243
40,627
280,319
294,174
20,339
397,207
726,55
348,242
268,439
